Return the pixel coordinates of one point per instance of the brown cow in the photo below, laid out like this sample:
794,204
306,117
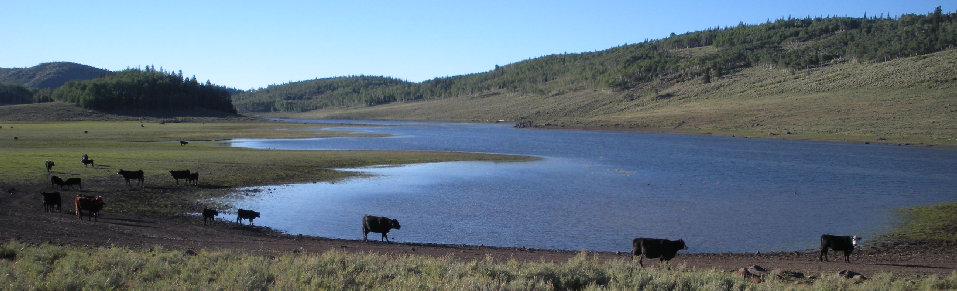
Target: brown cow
91,204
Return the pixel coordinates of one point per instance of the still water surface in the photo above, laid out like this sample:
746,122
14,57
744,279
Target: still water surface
598,190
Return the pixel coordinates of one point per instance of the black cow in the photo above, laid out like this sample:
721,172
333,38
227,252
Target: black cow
56,182
838,243
652,248
378,224
51,201
177,175
246,214
73,181
183,142
90,204
132,175
193,178
49,165
210,215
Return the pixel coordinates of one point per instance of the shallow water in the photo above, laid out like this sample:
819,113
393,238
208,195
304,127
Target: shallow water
598,190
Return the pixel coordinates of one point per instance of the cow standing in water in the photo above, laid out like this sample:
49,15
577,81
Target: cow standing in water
246,214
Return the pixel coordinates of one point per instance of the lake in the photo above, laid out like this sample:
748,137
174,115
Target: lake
598,190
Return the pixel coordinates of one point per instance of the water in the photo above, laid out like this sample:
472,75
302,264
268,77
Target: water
598,190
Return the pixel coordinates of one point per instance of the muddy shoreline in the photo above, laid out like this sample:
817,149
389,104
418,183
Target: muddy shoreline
24,220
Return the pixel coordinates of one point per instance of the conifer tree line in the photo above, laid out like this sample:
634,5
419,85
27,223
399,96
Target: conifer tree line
792,44
12,94
145,90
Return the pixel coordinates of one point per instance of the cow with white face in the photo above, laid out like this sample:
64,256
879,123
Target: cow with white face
838,243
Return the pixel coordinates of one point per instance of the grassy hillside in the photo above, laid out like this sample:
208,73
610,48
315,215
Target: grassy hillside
905,100
823,78
49,75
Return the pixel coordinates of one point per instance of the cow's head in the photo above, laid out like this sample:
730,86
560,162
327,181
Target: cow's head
854,240
395,224
681,245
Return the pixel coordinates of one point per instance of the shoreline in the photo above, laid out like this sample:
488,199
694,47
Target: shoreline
770,135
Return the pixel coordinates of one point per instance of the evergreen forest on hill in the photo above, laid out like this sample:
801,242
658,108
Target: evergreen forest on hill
134,90
793,44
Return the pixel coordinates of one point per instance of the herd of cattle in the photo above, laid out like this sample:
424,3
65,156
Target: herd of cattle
652,248
91,205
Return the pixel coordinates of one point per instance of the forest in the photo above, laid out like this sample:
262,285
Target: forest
793,44
145,90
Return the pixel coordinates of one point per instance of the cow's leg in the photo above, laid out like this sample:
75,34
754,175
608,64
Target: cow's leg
823,254
847,256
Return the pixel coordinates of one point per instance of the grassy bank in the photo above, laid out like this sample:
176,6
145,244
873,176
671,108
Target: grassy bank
28,267
935,223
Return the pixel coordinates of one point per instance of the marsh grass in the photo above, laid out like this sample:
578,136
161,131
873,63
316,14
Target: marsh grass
927,223
51,267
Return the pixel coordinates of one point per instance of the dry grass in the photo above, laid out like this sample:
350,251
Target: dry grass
29,267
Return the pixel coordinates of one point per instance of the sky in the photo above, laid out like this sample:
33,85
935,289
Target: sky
253,44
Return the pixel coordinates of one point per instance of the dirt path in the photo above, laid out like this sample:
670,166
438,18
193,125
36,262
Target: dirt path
22,217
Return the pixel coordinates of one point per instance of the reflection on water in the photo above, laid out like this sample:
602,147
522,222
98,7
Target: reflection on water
597,190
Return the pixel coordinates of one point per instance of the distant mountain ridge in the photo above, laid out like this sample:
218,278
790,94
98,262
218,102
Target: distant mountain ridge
50,75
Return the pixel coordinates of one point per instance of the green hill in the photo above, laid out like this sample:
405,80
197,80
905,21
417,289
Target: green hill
49,75
823,78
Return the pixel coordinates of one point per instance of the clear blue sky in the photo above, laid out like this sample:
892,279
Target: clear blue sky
253,44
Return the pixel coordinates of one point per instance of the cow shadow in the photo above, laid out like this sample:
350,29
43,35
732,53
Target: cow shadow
129,222
911,266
